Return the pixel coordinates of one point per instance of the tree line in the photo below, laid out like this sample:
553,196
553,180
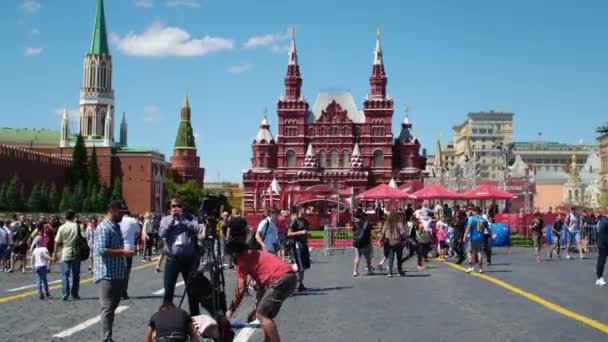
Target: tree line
84,192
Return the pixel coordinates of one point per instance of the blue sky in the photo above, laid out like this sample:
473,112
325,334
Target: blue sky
546,61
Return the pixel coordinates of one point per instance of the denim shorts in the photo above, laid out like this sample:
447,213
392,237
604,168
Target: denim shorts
572,237
366,252
3,251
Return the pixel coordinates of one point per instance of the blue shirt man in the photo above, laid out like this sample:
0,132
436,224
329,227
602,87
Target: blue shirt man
478,226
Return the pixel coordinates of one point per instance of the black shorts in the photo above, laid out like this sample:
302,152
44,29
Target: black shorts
271,298
301,256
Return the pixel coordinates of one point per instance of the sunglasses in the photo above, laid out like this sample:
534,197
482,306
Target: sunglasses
176,205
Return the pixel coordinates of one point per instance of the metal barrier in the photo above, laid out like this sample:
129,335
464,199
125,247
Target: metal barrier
337,239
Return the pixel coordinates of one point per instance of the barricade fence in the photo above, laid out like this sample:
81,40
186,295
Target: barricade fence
337,239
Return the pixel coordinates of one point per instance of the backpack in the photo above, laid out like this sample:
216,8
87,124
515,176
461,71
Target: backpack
359,234
252,242
82,246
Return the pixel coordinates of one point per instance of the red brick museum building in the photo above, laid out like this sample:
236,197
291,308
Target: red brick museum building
331,150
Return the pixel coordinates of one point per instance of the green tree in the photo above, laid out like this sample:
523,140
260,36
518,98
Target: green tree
117,189
22,198
34,202
190,192
90,203
3,196
102,199
66,199
78,196
12,194
79,161
44,197
93,171
53,203
86,205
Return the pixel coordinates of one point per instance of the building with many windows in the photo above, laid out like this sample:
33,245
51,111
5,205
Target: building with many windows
330,149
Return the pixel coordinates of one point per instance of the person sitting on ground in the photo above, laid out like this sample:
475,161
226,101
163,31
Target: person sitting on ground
170,324
276,281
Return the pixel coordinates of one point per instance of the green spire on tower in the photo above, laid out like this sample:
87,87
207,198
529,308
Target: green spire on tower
186,102
99,42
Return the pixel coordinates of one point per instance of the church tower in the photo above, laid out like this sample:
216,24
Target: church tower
185,163
96,94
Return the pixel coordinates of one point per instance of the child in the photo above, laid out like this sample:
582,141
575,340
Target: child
441,227
40,258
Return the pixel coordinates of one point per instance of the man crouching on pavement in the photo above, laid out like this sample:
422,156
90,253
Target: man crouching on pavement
276,281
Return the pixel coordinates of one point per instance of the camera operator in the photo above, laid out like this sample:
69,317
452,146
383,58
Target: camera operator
180,235
276,282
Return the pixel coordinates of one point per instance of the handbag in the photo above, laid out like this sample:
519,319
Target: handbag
82,246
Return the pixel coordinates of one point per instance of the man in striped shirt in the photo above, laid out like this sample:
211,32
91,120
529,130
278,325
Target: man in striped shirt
110,265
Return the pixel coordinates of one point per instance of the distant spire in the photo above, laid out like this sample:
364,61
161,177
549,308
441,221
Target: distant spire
406,120
355,160
99,41
293,53
309,159
186,103
309,151
108,137
123,130
438,162
65,129
393,184
378,50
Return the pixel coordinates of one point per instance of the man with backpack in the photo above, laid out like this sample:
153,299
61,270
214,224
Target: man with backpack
267,235
362,241
67,240
573,225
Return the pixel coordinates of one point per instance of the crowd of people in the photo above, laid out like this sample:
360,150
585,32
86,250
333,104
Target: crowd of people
466,234
270,260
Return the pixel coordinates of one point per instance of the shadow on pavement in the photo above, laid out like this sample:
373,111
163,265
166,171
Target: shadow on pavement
418,275
497,271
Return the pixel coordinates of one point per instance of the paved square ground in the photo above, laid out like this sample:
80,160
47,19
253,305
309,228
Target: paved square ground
516,299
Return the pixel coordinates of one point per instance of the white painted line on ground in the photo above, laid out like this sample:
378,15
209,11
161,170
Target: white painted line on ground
162,291
245,334
33,285
86,324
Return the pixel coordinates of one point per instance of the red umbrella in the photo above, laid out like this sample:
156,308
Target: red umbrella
436,191
487,192
383,192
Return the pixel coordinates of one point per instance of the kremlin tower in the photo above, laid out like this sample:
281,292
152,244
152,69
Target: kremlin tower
185,164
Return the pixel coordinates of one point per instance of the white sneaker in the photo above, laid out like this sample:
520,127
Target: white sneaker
582,256
469,270
568,257
355,274
600,282
480,270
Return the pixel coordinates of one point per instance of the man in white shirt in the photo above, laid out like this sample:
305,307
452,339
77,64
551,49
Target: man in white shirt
267,234
130,230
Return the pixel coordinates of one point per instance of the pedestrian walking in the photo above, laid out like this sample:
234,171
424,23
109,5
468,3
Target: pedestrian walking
5,237
65,242
110,265
130,230
147,236
298,241
362,241
487,239
267,235
412,246
90,233
275,280
573,225
602,247
474,232
536,226
180,234
20,237
442,232
556,234
39,261
393,232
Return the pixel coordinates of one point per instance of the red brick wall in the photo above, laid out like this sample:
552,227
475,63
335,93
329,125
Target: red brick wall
32,167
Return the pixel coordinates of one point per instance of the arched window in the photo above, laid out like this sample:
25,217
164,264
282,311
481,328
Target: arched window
291,159
576,194
103,122
569,195
334,130
311,131
322,131
89,126
322,159
345,130
263,160
334,159
378,158
345,159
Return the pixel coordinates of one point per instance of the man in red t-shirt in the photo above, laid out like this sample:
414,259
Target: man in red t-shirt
275,279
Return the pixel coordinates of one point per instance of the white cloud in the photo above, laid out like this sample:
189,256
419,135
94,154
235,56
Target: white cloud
280,48
239,68
30,6
163,41
187,3
35,30
266,39
32,51
151,114
144,3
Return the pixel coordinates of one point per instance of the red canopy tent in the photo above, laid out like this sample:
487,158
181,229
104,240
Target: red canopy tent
436,191
383,192
487,192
